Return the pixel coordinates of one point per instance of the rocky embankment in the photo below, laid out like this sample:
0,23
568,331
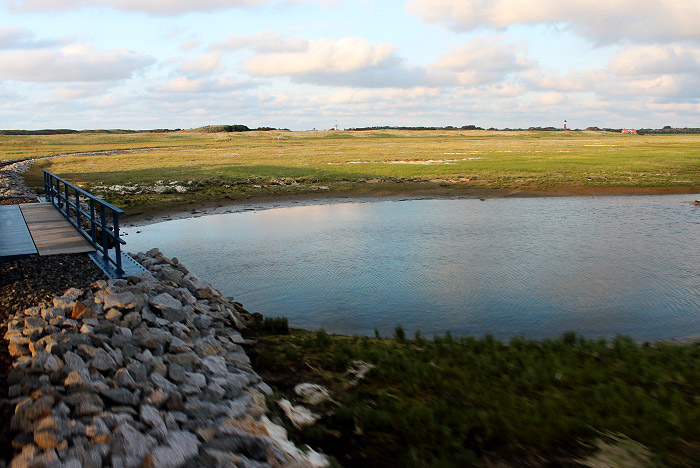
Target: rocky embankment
146,371
12,184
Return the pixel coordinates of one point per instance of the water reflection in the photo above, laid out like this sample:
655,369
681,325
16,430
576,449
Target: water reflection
532,267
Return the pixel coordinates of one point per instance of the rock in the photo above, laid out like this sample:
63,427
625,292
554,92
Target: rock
312,394
215,364
121,396
123,301
123,378
46,439
298,415
103,361
165,301
129,441
173,315
113,315
164,384
188,360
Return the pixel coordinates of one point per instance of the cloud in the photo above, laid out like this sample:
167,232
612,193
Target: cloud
205,64
17,37
154,7
323,56
483,60
656,60
263,42
203,85
75,62
607,21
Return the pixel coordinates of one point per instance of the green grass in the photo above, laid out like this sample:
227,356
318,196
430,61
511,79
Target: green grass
475,402
230,166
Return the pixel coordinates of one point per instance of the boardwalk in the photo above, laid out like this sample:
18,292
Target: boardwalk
37,228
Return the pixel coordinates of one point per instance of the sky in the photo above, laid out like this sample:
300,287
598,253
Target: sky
312,64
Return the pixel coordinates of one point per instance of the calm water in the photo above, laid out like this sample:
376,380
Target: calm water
531,267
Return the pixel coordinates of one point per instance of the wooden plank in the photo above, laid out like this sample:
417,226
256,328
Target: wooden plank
15,239
51,232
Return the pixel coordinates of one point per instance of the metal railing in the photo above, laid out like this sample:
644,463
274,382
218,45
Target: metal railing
91,213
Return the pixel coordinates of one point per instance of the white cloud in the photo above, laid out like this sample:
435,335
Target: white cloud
483,60
75,62
602,21
202,85
205,64
323,56
263,42
155,7
17,37
656,60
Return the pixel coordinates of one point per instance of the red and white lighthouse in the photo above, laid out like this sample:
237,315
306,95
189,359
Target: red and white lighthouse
565,125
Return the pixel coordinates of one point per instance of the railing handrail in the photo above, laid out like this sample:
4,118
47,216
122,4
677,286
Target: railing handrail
60,198
87,194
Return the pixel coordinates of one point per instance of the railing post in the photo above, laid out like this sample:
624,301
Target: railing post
77,209
105,247
93,231
46,186
66,199
117,245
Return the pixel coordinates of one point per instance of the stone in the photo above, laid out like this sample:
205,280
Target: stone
113,315
65,303
137,371
103,361
215,364
176,373
73,361
80,312
196,380
151,416
50,313
173,315
132,320
164,384
46,439
123,378
312,394
165,300
178,346
121,396
73,294
188,360
122,300
45,361
129,441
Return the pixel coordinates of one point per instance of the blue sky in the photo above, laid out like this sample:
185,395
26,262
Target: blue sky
304,64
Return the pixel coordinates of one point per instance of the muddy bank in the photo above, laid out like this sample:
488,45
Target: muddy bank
363,193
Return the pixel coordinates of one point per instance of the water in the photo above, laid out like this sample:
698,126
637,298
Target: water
533,267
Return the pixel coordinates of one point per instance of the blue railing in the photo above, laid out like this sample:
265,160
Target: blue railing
91,213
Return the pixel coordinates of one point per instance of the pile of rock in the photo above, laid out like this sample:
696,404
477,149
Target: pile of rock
146,371
12,184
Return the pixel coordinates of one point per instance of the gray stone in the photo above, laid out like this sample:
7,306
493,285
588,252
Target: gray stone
132,320
64,303
178,346
176,373
165,300
45,361
73,361
215,364
73,294
103,361
50,313
173,315
166,457
129,441
196,380
164,384
123,378
122,300
188,360
202,322
121,396
151,417
137,371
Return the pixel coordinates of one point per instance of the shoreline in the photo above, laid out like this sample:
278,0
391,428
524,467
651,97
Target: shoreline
386,192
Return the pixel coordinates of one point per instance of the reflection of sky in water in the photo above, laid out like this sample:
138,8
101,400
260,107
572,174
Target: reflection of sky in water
533,267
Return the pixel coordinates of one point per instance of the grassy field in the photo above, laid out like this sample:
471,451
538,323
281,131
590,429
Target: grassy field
190,167
461,402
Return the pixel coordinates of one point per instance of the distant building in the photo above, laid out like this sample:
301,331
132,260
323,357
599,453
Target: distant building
630,131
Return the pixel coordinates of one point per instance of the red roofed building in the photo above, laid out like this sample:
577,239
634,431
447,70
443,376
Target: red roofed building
629,131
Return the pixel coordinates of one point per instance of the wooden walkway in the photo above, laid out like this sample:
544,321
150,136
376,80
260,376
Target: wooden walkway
37,228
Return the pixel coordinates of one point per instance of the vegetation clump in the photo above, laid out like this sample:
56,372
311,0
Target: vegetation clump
467,401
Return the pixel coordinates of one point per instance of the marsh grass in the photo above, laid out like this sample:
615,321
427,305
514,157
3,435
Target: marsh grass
477,401
261,163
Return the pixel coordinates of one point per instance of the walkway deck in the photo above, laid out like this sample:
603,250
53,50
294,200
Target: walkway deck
37,228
